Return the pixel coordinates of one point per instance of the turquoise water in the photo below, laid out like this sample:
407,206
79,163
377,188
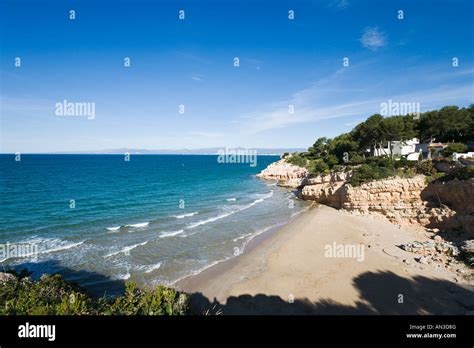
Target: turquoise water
153,219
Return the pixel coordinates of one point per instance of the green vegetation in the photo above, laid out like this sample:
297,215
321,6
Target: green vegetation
449,124
459,173
52,295
454,147
298,160
352,150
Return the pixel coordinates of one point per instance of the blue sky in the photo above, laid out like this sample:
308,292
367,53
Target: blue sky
282,62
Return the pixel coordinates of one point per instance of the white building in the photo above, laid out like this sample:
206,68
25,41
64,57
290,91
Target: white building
403,148
457,156
431,150
397,148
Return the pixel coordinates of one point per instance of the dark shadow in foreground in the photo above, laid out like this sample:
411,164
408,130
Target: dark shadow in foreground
95,284
380,293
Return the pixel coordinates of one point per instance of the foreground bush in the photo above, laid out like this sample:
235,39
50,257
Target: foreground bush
425,167
52,295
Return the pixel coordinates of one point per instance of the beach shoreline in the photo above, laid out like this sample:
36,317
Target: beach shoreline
288,271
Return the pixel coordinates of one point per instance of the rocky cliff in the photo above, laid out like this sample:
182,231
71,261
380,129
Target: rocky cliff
286,174
447,206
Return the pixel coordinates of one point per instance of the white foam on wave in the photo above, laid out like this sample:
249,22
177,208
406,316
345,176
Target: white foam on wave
126,249
249,237
221,216
139,225
231,199
62,247
123,276
151,268
39,246
182,216
170,233
196,272
267,195
299,212
215,218
257,233
241,237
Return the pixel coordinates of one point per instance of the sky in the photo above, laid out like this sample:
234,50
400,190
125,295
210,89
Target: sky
284,64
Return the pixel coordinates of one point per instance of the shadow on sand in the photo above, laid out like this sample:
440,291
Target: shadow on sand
379,294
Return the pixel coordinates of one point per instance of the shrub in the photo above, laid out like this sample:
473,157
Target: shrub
425,168
454,147
459,173
318,166
356,159
51,295
381,162
158,301
435,177
297,159
404,163
331,160
366,173
406,172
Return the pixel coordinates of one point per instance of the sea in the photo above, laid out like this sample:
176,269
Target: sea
101,220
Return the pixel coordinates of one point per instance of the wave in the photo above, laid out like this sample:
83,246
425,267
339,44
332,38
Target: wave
124,276
33,247
257,233
215,218
248,237
221,216
231,199
252,236
241,237
126,249
63,247
170,233
196,272
185,215
139,225
150,268
267,195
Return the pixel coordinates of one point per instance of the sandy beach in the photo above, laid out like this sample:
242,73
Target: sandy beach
289,271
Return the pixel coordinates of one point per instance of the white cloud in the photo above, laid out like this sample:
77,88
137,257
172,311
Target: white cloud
333,97
197,77
373,39
339,4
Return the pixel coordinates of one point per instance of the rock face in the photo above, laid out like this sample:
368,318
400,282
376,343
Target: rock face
447,206
326,189
286,174
397,199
